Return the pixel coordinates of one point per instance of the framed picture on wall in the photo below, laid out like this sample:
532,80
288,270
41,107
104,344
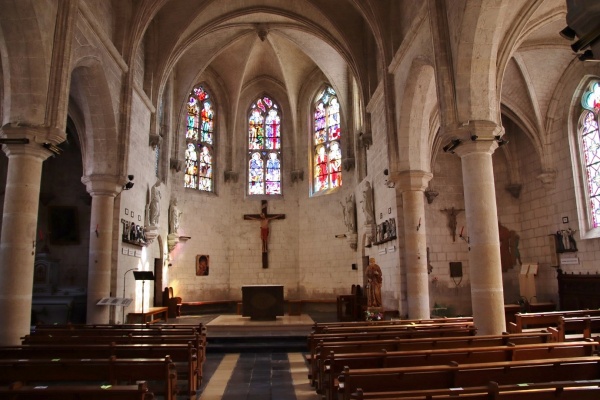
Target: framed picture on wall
202,264
63,225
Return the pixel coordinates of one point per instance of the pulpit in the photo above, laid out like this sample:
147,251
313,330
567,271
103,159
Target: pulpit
262,302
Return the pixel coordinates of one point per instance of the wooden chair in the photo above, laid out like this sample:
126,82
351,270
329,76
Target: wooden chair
173,303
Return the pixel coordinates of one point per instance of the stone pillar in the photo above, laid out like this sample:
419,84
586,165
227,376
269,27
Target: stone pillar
412,185
18,240
103,189
487,295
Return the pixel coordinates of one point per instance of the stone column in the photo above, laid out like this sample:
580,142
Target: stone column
103,189
487,295
18,240
412,185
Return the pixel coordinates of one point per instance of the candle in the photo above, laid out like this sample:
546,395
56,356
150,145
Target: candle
461,231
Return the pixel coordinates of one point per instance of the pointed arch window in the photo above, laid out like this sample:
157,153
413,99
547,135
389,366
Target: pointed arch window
326,148
589,139
199,140
264,148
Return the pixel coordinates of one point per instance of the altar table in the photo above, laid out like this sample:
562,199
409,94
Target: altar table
262,302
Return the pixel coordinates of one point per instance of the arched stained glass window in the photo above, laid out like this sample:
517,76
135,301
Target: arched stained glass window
264,148
327,153
590,148
199,137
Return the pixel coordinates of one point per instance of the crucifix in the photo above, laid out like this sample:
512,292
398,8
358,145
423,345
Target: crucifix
264,217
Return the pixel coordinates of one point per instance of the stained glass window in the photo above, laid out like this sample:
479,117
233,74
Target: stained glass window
327,153
590,146
199,137
264,148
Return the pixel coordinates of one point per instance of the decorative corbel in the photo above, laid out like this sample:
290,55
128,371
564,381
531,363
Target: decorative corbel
431,194
514,189
231,176
548,179
297,175
154,141
175,164
365,139
348,163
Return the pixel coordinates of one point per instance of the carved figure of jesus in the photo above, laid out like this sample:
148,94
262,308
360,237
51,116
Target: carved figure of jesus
264,228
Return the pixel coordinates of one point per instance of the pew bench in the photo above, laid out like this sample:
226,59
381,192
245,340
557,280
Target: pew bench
335,363
314,339
150,316
467,375
184,356
545,319
159,373
576,328
19,391
322,327
398,344
571,390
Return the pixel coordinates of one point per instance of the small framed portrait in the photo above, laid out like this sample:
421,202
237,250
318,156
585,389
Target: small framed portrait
202,264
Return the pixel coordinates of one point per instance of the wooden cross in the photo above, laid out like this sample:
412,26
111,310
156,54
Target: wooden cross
264,217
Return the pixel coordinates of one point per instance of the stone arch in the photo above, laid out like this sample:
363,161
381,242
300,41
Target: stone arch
479,33
25,55
91,94
415,110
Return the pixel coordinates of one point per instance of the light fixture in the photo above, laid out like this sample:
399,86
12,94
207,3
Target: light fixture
51,147
129,184
449,148
568,33
586,56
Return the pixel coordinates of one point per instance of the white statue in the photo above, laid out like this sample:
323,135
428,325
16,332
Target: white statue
174,217
154,207
367,204
349,208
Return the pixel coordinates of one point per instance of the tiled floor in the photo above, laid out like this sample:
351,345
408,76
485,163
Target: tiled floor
253,376
256,376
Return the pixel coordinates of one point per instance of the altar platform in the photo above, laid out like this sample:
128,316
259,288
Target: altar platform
236,325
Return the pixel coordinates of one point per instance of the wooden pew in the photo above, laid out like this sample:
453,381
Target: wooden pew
322,327
540,391
410,332
113,371
151,315
545,319
467,375
393,327
576,328
18,391
200,326
335,363
184,356
114,331
398,344
198,341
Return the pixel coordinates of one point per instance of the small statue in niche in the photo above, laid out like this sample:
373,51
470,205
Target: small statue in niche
367,204
392,225
174,217
125,230
349,209
154,206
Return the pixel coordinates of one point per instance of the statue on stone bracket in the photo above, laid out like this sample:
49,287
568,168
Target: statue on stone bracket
154,205
174,217
349,209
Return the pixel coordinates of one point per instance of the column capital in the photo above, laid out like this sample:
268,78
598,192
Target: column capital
478,146
102,185
35,134
411,180
474,130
